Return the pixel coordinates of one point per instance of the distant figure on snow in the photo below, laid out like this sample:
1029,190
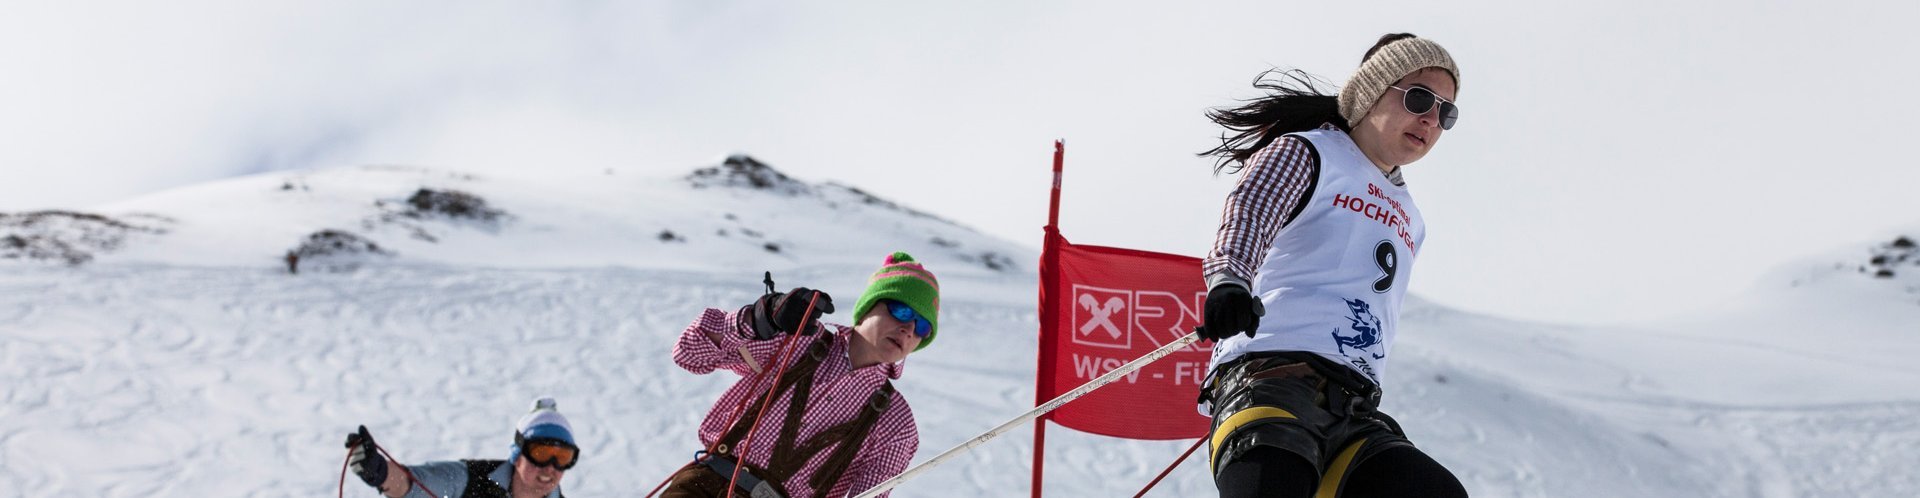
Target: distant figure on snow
836,389
293,263
543,450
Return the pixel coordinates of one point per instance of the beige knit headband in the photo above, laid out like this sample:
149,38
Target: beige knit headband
1389,64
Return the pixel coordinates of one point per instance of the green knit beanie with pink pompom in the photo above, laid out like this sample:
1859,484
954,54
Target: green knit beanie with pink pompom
903,279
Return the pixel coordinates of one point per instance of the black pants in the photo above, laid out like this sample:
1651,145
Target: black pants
1396,472
1295,424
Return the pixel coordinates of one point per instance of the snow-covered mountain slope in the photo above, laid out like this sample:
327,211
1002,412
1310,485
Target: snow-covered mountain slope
1804,386
190,363
740,212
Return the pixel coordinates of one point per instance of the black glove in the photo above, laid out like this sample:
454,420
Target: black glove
366,461
1231,310
777,313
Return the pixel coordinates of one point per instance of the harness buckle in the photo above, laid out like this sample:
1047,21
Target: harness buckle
756,486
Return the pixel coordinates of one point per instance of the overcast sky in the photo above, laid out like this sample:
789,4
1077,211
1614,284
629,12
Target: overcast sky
1613,160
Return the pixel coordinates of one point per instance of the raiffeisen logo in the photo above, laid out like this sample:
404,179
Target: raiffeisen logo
1111,318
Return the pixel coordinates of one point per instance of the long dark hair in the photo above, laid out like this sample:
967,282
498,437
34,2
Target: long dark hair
1294,102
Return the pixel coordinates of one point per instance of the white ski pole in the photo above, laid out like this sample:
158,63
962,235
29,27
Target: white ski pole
1035,413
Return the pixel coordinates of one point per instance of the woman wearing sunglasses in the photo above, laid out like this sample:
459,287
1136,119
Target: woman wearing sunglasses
543,451
835,426
1307,273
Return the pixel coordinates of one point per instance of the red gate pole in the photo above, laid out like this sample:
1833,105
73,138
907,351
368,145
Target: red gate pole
1049,278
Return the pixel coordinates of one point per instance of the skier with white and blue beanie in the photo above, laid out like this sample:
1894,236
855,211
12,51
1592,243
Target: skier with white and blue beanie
543,451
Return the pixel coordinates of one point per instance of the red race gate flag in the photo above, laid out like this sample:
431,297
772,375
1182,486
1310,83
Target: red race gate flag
1106,306
1101,307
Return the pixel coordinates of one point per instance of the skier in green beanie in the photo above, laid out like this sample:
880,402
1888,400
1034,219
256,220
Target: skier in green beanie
862,431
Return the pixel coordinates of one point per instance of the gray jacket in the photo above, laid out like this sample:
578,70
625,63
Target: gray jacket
449,478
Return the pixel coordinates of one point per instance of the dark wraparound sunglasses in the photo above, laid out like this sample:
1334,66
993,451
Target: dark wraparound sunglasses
1419,100
905,314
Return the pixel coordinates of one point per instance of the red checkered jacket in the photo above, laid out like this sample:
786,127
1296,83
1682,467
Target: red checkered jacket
714,341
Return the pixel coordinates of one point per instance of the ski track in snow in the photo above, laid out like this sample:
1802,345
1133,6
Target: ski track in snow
145,380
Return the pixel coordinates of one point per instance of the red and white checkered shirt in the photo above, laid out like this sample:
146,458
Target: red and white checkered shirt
714,341
1274,183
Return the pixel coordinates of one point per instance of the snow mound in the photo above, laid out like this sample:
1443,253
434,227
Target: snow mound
1880,271
1889,260
71,237
334,250
743,171
450,204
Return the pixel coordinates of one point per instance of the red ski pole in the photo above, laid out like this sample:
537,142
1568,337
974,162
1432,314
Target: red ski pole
805,320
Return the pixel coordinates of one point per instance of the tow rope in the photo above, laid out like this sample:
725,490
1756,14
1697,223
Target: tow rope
1049,406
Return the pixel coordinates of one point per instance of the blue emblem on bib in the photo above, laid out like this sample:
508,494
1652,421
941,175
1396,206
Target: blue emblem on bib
1366,328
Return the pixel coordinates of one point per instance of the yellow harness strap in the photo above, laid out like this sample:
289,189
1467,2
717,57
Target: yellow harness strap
1238,419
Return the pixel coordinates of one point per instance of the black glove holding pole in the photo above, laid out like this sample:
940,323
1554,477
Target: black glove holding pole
366,461
1230,310
778,313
